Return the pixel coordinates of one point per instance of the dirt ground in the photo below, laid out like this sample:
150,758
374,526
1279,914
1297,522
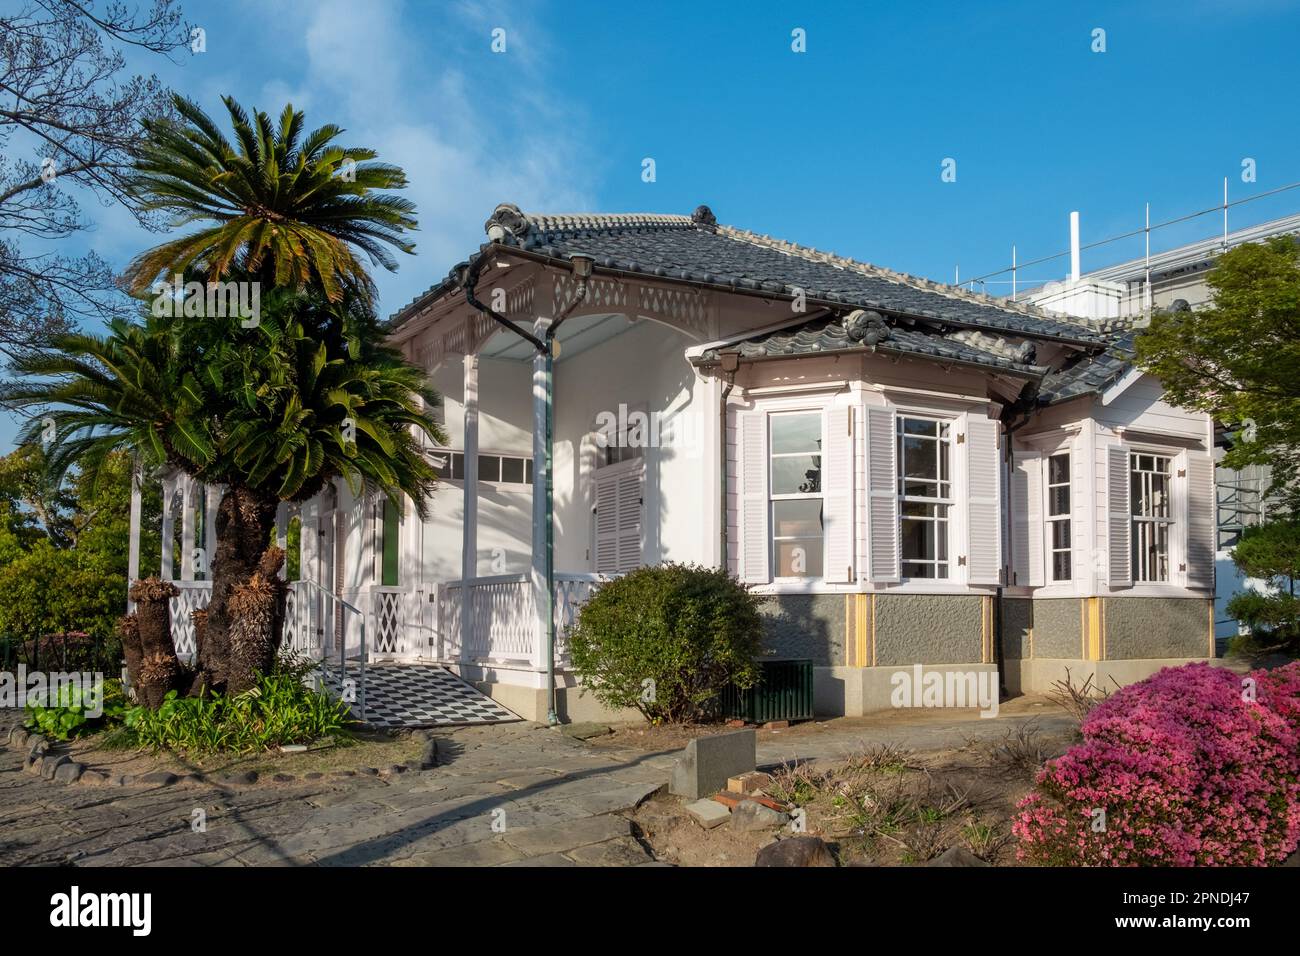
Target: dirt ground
881,806
365,749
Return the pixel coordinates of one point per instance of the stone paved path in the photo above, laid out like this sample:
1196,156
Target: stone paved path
507,794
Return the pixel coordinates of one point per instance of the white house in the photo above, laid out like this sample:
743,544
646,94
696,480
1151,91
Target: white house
915,474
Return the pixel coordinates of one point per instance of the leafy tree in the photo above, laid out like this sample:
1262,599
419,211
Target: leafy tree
285,208
69,104
271,412
1239,359
1271,553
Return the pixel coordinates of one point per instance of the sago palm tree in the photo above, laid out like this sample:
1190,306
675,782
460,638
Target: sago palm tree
288,208
272,413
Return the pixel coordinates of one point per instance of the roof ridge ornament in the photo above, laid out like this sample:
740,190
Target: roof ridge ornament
704,218
866,326
507,220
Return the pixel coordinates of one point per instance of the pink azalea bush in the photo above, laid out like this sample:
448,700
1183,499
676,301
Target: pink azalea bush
1194,766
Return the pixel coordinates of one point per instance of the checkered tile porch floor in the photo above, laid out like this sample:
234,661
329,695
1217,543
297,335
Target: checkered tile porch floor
418,695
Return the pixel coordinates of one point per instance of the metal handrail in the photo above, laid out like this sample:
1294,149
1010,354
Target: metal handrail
343,645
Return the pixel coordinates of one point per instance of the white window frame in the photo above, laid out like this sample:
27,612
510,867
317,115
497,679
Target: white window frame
1142,527
1050,550
952,519
773,497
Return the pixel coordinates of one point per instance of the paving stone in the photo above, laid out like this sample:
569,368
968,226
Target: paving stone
622,852
483,853
550,859
565,836
708,813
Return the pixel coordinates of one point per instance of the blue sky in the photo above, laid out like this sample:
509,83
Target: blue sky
840,147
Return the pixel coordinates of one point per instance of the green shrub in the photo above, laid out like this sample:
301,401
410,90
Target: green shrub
666,640
1270,552
74,712
278,710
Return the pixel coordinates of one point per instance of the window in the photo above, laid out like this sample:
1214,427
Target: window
795,485
499,469
924,495
1149,494
1058,516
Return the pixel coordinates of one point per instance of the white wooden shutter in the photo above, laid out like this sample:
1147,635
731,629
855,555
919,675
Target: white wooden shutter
882,495
631,486
606,521
1200,521
1027,519
983,494
1119,520
754,543
837,489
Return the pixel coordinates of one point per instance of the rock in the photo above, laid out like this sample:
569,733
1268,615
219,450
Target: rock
796,851
429,755
51,763
283,778
293,749
18,737
708,762
708,813
776,725
68,772
392,770
244,776
36,744
94,778
735,723
956,856
32,763
369,771
585,731
314,775
342,774
157,778
752,815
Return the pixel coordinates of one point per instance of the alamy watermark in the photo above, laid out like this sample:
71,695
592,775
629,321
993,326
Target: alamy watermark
634,428
208,300
946,688
63,688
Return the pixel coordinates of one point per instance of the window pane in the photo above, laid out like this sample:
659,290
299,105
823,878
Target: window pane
512,470
924,509
1058,500
489,468
797,475
458,466
919,540
920,458
1060,535
1061,566
797,518
796,433
528,471
800,558
919,426
1058,469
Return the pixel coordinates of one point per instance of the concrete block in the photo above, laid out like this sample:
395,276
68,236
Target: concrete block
752,815
708,762
749,782
708,813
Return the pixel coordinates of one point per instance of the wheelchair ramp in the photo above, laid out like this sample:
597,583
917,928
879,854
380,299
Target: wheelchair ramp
416,695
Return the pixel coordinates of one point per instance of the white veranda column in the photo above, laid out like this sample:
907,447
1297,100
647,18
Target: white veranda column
540,599
133,546
166,572
189,489
469,510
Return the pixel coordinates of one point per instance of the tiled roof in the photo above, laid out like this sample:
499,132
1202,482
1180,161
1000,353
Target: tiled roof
829,334
924,317
1089,374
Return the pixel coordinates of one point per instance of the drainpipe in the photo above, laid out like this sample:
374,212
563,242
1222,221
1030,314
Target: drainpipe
1023,407
730,362
545,348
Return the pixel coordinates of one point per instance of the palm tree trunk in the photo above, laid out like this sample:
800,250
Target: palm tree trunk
245,615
